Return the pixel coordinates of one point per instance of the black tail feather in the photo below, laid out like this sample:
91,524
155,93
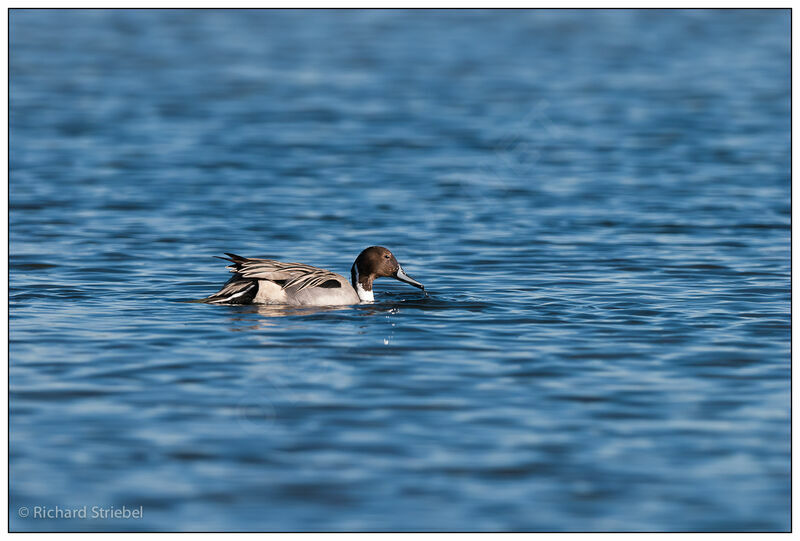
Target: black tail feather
236,258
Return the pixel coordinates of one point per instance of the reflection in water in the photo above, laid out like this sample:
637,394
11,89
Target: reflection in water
281,310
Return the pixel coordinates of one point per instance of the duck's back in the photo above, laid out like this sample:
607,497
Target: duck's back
267,281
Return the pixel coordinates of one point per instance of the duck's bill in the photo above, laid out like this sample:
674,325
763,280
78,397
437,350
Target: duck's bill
403,277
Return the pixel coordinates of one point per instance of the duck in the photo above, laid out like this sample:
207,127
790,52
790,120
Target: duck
267,281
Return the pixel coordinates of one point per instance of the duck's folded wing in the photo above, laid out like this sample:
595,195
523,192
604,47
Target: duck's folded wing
295,276
236,291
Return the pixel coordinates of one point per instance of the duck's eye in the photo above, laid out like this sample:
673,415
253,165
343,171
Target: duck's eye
386,256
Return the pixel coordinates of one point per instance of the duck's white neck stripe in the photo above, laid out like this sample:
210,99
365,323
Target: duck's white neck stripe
363,294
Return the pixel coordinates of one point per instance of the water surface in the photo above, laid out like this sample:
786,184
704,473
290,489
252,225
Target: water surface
598,203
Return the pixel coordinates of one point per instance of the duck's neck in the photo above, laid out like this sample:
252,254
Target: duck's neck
362,284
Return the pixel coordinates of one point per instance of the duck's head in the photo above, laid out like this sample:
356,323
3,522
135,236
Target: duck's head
376,262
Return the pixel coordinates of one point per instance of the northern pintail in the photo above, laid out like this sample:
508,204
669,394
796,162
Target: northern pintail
266,281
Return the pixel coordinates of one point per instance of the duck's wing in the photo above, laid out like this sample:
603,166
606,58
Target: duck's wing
295,276
236,291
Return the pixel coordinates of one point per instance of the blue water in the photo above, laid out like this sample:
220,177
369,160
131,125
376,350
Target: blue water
597,201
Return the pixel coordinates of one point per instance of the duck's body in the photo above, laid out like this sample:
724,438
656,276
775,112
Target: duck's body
267,281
